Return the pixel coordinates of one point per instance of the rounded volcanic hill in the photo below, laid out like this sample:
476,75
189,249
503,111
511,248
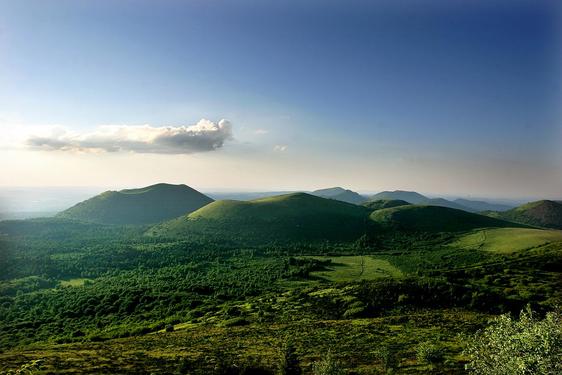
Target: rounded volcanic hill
544,213
283,218
380,204
435,219
148,205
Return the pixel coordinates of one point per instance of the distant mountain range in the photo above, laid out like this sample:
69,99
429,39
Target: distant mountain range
151,204
459,204
480,206
316,214
340,194
350,196
325,215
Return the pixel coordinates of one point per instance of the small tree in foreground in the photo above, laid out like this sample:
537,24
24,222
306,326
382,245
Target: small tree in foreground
328,366
428,352
518,347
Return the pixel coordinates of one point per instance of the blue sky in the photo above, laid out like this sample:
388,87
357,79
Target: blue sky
444,96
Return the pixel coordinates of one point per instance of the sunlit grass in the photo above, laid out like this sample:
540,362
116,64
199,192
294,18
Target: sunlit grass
506,240
353,268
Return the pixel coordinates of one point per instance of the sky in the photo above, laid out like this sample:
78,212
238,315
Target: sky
441,97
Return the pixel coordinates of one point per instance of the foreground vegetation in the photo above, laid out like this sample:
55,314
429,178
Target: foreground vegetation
119,299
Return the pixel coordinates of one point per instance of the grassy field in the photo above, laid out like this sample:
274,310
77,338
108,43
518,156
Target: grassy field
74,282
506,240
355,268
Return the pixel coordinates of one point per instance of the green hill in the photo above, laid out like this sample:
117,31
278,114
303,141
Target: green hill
479,206
340,194
151,204
408,196
284,218
545,213
434,219
460,203
385,203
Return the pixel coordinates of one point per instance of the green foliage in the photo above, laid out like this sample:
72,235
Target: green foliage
328,366
247,285
28,368
428,352
238,321
387,357
518,346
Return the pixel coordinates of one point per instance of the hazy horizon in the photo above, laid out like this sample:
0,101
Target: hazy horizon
27,202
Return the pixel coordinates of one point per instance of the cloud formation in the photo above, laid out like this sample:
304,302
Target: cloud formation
203,136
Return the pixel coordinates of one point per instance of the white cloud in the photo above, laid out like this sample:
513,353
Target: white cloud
280,148
203,136
261,131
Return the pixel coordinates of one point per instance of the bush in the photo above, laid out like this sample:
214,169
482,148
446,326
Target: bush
387,357
516,347
169,328
353,312
427,352
328,366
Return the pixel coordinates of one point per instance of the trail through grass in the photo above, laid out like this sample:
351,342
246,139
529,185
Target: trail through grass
506,240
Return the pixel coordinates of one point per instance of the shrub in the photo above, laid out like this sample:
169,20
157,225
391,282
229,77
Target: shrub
516,347
387,357
328,366
427,352
353,312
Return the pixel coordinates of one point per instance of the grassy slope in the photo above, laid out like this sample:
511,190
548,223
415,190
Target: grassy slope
297,216
506,240
151,204
385,203
349,268
408,196
197,350
434,219
543,213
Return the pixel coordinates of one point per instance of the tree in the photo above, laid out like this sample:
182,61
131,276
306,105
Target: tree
328,366
518,347
428,352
